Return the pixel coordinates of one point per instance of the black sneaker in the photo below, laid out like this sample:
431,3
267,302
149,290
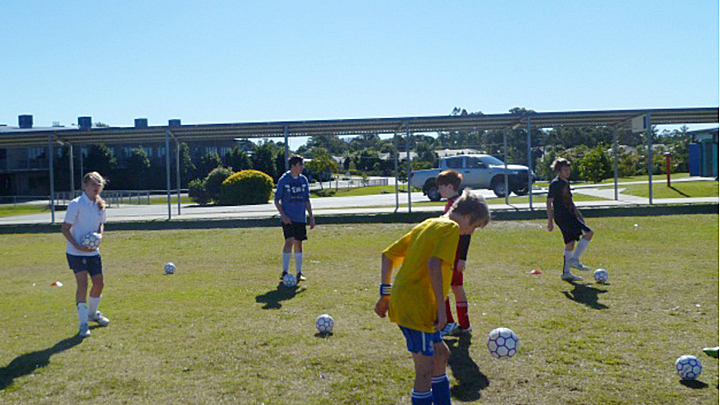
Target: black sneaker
284,273
300,277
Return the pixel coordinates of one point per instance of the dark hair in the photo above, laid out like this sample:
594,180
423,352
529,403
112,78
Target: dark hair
559,163
473,205
295,160
450,177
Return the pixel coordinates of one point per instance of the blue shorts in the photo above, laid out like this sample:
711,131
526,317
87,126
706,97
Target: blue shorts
91,264
421,342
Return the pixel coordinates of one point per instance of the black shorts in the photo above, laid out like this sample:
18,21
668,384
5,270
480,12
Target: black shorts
572,229
295,230
91,264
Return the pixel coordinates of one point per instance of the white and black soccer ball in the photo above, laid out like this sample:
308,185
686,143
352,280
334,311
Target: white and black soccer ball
91,240
169,268
688,367
324,323
503,343
601,276
289,280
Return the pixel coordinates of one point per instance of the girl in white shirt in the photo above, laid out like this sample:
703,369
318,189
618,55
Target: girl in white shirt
86,214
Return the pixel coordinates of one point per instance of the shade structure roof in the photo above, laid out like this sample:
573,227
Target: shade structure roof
16,137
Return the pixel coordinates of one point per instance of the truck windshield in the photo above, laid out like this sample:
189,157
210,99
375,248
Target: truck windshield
490,160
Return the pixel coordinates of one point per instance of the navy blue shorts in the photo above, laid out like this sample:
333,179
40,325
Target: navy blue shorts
295,230
572,230
421,342
91,264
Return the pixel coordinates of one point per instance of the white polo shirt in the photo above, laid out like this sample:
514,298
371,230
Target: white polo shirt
85,216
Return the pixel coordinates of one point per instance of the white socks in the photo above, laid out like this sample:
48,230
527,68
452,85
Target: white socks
568,255
580,249
298,262
94,302
82,310
286,261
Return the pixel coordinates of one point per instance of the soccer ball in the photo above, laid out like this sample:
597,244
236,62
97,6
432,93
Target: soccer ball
289,280
688,367
169,268
601,276
503,343
324,323
91,240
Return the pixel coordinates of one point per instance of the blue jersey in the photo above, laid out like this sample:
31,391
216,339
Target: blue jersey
293,193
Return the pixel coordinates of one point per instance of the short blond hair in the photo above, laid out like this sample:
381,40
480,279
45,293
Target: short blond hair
559,163
472,205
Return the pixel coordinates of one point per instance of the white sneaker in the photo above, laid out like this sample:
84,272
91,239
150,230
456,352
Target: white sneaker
99,318
84,330
570,277
576,264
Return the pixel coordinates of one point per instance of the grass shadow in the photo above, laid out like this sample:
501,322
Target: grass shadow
694,384
272,298
678,191
323,335
27,363
586,294
470,379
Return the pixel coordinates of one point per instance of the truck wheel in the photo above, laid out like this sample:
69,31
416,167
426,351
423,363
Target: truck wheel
433,193
520,189
499,188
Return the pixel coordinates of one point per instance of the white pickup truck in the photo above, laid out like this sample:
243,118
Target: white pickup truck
478,171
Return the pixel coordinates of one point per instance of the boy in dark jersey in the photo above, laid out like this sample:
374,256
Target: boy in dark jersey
561,208
448,183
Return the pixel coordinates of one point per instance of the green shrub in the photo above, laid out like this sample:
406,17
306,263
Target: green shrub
595,165
197,192
246,187
214,180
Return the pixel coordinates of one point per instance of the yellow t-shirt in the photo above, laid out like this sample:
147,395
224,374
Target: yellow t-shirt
412,301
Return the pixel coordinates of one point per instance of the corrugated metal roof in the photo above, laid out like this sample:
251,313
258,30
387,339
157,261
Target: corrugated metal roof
13,137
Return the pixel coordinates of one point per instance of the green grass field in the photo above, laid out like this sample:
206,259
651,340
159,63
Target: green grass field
23,209
680,189
220,330
371,190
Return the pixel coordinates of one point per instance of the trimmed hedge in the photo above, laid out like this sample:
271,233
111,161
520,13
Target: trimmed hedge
214,180
197,192
246,187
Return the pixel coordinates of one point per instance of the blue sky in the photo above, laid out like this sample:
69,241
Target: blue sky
240,61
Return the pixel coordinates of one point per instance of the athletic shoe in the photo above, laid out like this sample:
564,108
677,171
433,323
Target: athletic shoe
449,327
284,273
461,331
99,318
576,264
570,277
84,330
300,277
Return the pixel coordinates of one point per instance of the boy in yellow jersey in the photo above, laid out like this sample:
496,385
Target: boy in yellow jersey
416,303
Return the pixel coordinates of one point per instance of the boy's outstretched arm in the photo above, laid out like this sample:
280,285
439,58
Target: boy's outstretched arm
550,213
436,280
383,303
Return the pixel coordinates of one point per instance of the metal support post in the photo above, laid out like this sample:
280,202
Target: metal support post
72,172
615,158
530,160
507,188
177,169
396,154
287,150
409,165
51,168
650,158
167,172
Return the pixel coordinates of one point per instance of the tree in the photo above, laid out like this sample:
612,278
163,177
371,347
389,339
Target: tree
208,162
263,159
100,159
187,168
238,159
138,169
595,165
322,163
279,165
